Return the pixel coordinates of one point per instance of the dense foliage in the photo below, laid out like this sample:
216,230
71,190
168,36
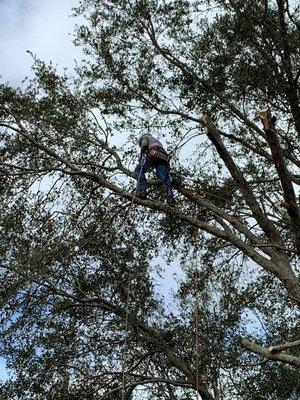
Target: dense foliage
83,261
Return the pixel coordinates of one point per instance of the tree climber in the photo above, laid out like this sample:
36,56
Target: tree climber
153,155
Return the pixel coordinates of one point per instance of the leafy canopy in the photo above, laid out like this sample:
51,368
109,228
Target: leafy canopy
82,315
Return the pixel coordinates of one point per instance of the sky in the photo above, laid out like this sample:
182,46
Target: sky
44,27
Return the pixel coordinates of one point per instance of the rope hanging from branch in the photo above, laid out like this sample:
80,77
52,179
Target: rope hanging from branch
197,320
129,284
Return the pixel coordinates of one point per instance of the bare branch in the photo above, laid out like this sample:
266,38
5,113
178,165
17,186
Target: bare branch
283,173
284,346
286,358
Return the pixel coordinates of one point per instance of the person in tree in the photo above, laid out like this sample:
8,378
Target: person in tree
153,155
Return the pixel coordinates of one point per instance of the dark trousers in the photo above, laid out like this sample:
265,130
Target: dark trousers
162,173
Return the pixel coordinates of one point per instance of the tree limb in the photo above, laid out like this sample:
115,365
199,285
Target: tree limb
237,175
278,267
284,346
262,351
283,173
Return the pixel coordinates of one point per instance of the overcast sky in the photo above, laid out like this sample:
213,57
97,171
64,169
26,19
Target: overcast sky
44,27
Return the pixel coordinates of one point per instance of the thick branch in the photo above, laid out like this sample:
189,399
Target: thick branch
283,173
266,225
237,224
286,358
282,271
284,346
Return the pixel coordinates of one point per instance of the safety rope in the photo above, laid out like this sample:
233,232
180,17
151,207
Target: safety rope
197,311
129,284
124,353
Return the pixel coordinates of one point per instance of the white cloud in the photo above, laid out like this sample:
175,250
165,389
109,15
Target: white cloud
44,27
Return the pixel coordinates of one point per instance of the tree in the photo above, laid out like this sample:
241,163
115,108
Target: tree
80,313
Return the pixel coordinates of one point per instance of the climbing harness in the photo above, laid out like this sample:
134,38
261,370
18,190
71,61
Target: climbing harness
158,154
